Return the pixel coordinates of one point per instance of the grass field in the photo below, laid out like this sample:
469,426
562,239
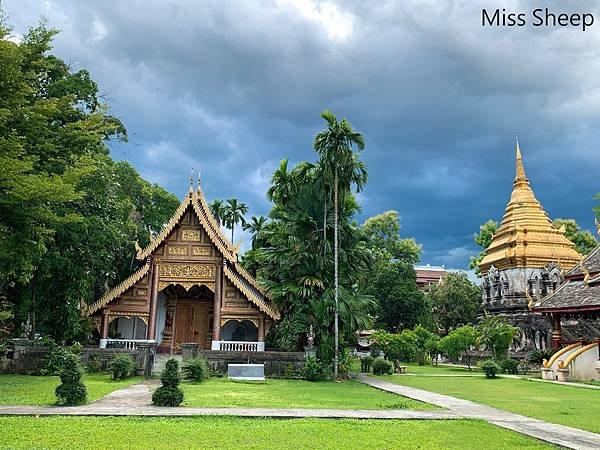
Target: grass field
565,405
275,393
35,390
235,433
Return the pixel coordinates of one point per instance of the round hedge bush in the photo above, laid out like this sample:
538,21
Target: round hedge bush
195,369
121,366
382,366
490,368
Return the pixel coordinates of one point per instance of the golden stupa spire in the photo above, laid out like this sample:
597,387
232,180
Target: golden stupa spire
526,237
520,178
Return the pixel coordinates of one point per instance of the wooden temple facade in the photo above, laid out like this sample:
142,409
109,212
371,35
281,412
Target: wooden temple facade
190,289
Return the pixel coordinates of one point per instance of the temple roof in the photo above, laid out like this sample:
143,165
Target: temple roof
590,264
232,268
526,236
117,290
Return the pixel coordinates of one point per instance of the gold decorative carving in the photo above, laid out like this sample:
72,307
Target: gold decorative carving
230,293
187,285
177,250
142,292
188,271
190,235
201,251
134,302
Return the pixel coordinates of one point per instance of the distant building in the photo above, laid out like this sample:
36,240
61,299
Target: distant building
428,275
524,263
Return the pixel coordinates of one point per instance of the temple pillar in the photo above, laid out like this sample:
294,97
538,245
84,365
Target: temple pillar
104,328
151,332
219,288
261,330
556,331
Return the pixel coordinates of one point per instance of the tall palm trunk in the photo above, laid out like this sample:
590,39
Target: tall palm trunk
325,224
232,228
335,275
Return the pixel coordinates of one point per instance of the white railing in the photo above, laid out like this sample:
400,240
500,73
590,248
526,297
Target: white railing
129,344
238,346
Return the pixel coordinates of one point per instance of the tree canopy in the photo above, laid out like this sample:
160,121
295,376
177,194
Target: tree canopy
69,214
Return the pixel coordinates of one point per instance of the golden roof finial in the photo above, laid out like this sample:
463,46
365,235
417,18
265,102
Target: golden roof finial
597,222
586,274
520,177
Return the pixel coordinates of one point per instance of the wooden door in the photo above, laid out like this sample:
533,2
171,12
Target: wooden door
191,322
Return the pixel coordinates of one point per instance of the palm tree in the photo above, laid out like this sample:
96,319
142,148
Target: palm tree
282,184
255,226
217,207
339,162
234,214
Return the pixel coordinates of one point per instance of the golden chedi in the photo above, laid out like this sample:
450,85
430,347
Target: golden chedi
524,262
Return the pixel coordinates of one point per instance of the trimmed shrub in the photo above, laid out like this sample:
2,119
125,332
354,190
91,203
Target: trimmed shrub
510,366
169,393
94,364
195,369
54,362
121,366
312,370
382,366
490,368
365,363
71,391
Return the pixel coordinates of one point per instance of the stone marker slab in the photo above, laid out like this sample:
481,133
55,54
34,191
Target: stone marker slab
246,372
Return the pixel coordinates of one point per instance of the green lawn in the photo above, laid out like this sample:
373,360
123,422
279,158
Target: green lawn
275,393
565,405
235,433
36,390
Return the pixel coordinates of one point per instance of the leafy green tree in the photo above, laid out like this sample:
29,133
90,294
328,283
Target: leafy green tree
234,212
455,301
397,347
497,335
459,342
392,278
483,239
339,163
69,214
425,341
584,241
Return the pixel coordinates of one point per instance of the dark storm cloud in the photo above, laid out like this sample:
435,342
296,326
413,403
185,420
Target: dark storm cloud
233,87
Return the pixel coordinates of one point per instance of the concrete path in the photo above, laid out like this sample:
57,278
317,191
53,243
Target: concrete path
555,434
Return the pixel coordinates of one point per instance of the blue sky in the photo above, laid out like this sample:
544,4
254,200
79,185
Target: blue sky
233,87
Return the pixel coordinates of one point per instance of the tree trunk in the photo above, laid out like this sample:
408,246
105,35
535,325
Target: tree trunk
232,228
325,224
335,269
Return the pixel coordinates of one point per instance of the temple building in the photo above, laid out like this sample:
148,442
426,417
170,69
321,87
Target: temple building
429,275
524,263
575,302
190,289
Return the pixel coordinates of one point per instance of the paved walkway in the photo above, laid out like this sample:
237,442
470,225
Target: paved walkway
555,434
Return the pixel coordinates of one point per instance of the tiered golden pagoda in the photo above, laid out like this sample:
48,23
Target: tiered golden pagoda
526,237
